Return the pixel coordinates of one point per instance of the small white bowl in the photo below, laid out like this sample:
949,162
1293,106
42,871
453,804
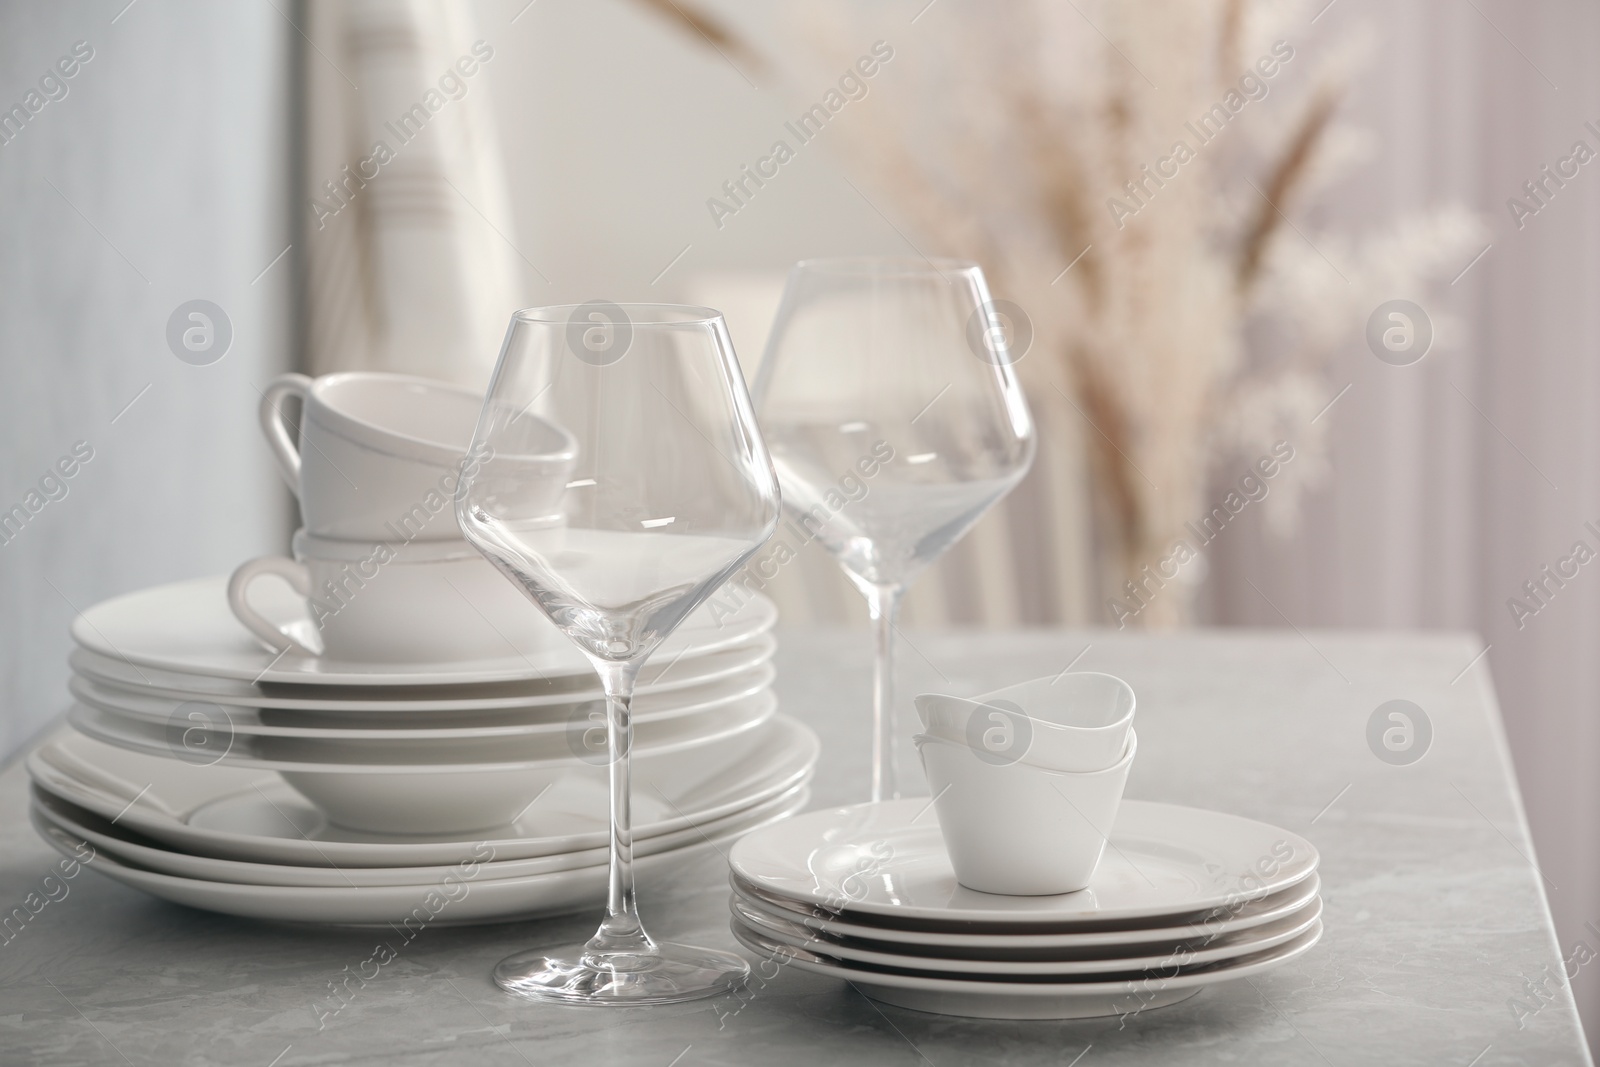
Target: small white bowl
442,798
1016,829
1072,722
456,802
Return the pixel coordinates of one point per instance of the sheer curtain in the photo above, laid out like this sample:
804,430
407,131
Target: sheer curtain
1457,479
405,210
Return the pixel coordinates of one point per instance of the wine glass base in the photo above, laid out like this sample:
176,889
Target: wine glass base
671,974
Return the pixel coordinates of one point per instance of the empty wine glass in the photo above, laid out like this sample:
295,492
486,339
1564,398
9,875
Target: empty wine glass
670,492
887,398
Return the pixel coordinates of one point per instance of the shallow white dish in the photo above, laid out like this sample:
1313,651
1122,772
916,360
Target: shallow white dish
580,736
694,668
1014,999
251,815
378,726
1241,916
888,860
139,851
570,745
1189,953
188,627
412,907
461,796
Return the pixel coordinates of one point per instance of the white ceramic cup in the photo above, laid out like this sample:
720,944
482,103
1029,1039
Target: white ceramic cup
379,455
1017,829
429,602
1071,722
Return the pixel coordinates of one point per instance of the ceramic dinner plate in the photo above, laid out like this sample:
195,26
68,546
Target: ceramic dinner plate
1013,998
137,850
1189,953
1126,939
251,815
693,668
314,755
888,860
188,627
461,899
548,720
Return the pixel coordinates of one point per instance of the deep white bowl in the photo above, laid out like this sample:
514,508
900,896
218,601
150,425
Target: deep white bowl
1017,829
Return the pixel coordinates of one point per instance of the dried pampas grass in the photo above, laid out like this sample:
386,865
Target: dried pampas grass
1042,144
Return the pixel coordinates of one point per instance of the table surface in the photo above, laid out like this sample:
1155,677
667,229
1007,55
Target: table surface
1436,922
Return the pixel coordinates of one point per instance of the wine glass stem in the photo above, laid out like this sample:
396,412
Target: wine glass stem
884,604
621,933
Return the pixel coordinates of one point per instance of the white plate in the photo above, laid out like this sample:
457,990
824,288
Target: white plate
144,852
888,860
314,755
1014,999
1187,953
1241,916
478,900
250,815
188,627
551,719
695,668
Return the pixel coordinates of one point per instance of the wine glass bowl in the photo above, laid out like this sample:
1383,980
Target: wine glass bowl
895,422
669,490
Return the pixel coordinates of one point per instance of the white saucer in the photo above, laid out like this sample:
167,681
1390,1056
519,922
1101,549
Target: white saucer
694,668
888,860
1238,917
1188,953
188,627
1021,999
314,754
254,816
549,719
405,908
144,852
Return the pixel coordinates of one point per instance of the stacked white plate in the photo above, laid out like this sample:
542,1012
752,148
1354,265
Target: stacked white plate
207,771
1183,898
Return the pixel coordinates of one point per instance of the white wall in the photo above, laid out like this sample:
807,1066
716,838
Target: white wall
160,177
617,130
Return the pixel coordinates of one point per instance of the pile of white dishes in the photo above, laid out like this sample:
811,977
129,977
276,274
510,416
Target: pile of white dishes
1183,898
207,771
335,736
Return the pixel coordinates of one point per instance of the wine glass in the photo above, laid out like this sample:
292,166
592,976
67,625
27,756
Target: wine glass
671,490
887,397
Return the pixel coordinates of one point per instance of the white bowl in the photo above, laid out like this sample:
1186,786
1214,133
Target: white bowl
1017,829
1071,722
458,802
430,800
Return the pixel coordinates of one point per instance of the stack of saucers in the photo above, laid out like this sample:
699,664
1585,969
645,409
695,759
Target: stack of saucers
207,770
1183,898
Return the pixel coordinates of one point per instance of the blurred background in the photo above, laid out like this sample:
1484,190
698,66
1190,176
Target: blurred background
1372,261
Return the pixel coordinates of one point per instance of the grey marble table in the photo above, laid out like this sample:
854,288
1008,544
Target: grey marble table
1435,914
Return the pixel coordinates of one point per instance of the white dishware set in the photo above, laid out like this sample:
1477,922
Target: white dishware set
336,736
490,683
1026,887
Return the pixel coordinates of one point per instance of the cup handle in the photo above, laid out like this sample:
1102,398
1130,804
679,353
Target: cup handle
276,427
295,574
